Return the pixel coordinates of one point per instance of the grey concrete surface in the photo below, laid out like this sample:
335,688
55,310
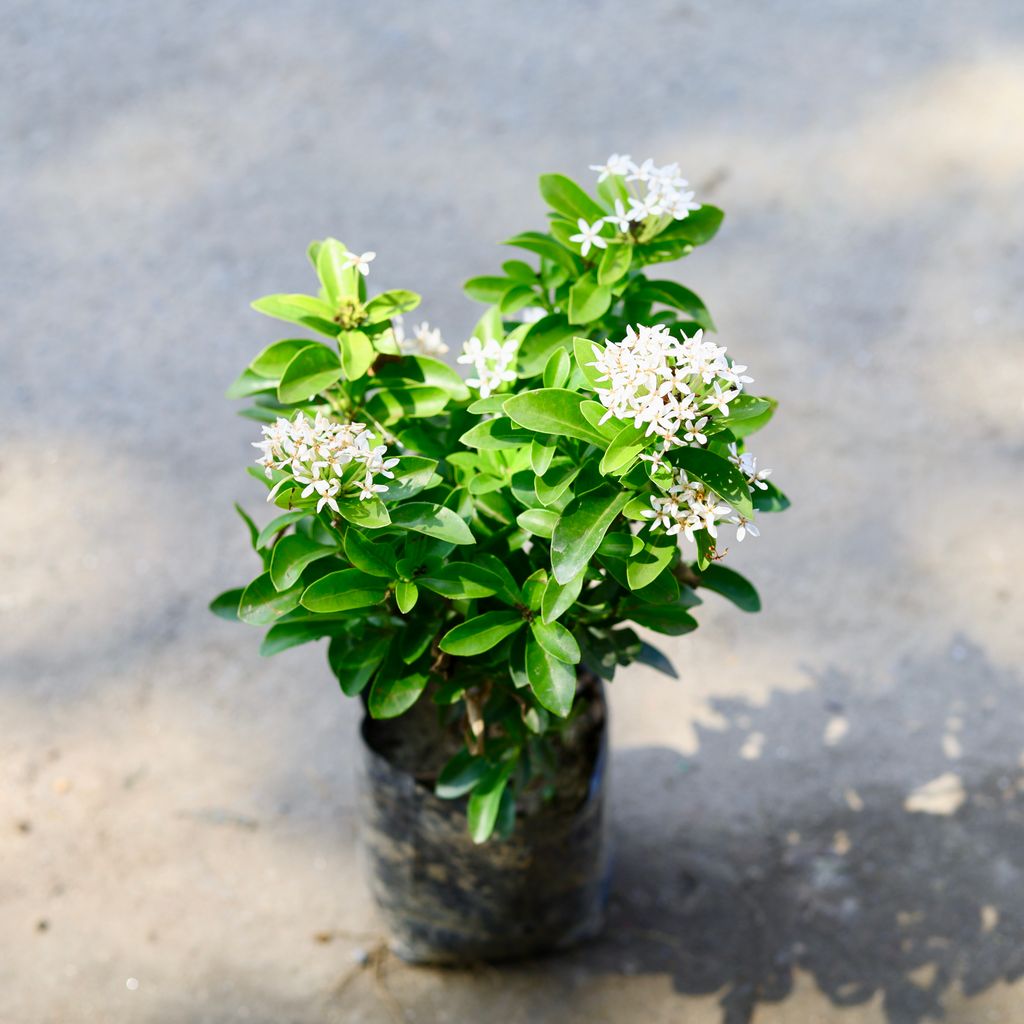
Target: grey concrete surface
822,819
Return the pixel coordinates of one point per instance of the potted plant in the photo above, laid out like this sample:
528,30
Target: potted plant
475,549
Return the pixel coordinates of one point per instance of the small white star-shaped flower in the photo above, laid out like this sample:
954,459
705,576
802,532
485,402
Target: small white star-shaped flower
361,261
589,236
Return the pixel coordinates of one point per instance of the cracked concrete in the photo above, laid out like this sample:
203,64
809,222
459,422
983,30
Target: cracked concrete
823,819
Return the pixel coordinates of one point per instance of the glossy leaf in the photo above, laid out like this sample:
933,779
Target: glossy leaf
291,555
433,521
565,196
556,640
343,590
460,775
553,411
262,603
311,369
588,300
485,801
553,681
731,585
581,528
481,633
357,354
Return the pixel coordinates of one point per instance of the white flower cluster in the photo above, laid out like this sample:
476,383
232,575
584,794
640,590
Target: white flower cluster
657,192
688,506
321,454
492,361
674,385
424,341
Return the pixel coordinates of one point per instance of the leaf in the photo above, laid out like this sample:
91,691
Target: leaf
291,555
343,590
390,698
557,369
390,304
485,801
299,309
581,528
262,603
406,593
770,499
719,474
672,619
615,263
311,369
541,456
412,475
565,196
644,568
432,520
553,411
560,597
487,289
226,605
283,635
516,298
544,245
491,435
273,360
553,682
544,337
538,521
555,482
509,592
424,370
699,227
651,656
338,280
481,633
461,581
247,384
354,660
588,300
397,403
622,453
370,515
670,293
370,556
731,585
556,640
357,353
460,775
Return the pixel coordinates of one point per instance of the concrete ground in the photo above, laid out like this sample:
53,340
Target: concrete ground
823,819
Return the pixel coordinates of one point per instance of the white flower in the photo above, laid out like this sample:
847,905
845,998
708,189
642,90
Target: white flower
492,360
425,340
748,466
743,527
717,399
617,165
588,236
327,489
620,219
693,431
360,261
649,206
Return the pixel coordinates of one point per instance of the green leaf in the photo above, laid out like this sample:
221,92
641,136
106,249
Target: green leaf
553,411
556,640
560,597
541,456
556,481
491,435
533,589
770,499
291,555
461,581
247,519
581,528
670,293
622,453
697,229
731,585
544,337
273,360
424,370
538,521
719,474
553,681
311,369
390,698
343,590
413,400
748,424
406,594
509,592
588,300
412,475
357,353
390,304
338,280
479,634
370,515
650,655
262,603
672,619
432,520
585,352
485,801
516,298
370,556
460,775
557,369
487,289
247,384
226,605
615,263
644,568
565,196
299,309
354,660
544,245
283,635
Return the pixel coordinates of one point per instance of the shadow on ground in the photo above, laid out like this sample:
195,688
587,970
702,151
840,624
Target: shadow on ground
731,874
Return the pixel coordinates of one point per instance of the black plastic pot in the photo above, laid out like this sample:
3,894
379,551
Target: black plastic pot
448,900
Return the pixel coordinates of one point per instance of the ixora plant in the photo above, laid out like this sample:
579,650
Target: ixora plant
483,543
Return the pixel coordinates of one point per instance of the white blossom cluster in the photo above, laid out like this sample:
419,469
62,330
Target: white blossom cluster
318,453
424,340
673,385
657,192
492,362
688,506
